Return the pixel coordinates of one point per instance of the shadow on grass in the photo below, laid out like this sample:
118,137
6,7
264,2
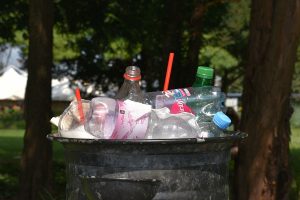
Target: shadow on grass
10,155
295,163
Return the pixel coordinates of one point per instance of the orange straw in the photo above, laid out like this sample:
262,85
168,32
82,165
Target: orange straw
79,105
169,69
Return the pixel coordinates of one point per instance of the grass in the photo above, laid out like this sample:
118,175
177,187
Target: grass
11,144
295,161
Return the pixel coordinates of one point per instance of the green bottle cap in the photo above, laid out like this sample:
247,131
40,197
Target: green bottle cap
205,72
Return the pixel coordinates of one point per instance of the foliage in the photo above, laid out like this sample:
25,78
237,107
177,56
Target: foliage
95,41
14,15
217,57
295,120
225,45
11,118
296,78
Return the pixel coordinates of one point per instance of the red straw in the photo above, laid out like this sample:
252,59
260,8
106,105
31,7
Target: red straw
169,69
79,105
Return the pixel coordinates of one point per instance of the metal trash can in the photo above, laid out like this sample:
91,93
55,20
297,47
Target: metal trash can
180,169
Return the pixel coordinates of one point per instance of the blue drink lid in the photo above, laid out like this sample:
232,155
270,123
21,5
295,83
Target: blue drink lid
221,120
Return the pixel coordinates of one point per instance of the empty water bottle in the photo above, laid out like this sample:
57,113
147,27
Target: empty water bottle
210,100
164,125
215,128
115,119
204,102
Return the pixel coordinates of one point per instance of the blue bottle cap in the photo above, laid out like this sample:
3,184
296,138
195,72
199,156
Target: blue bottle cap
221,120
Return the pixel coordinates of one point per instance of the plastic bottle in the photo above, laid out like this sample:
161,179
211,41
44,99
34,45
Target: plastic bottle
215,128
204,102
204,76
131,88
170,126
117,119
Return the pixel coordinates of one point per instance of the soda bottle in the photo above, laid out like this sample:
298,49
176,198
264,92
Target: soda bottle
116,119
131,87
204,77
215,128
204,102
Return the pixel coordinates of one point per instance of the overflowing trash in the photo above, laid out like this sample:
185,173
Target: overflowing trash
194,112
169,144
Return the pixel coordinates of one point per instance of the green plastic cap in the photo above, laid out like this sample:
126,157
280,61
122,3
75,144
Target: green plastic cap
205,72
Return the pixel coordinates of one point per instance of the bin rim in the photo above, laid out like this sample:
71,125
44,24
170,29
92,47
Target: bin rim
231,136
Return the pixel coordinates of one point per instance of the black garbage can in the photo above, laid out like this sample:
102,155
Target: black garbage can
180,169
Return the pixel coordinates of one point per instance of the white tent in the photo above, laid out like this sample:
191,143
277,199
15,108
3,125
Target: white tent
13,84
61,90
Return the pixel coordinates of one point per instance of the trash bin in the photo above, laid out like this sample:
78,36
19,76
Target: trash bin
147,169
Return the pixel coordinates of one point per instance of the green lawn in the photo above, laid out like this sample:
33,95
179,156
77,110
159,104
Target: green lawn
295,160
11,142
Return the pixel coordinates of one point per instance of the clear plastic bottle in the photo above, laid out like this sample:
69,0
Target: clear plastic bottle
101,119
204,77
170,127
204,102
131,87
215,128
117,119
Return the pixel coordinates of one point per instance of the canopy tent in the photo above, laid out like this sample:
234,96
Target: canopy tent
61,90
13,84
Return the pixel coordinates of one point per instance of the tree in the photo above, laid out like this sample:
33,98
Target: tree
36,160
263,164
173,40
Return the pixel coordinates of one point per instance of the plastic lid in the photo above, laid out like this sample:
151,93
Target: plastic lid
221,120
205,72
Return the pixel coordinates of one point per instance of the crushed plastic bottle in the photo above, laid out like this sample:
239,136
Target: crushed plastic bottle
115,119
164,125
173,127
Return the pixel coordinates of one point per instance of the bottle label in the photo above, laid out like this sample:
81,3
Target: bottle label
132,120
179,96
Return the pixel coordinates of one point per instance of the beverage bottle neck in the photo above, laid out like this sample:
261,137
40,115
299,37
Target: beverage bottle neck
131,87
201,82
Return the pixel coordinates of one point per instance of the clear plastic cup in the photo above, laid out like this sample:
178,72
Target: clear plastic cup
70,125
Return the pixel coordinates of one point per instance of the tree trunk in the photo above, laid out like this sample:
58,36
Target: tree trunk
192,58
263,164
36,164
